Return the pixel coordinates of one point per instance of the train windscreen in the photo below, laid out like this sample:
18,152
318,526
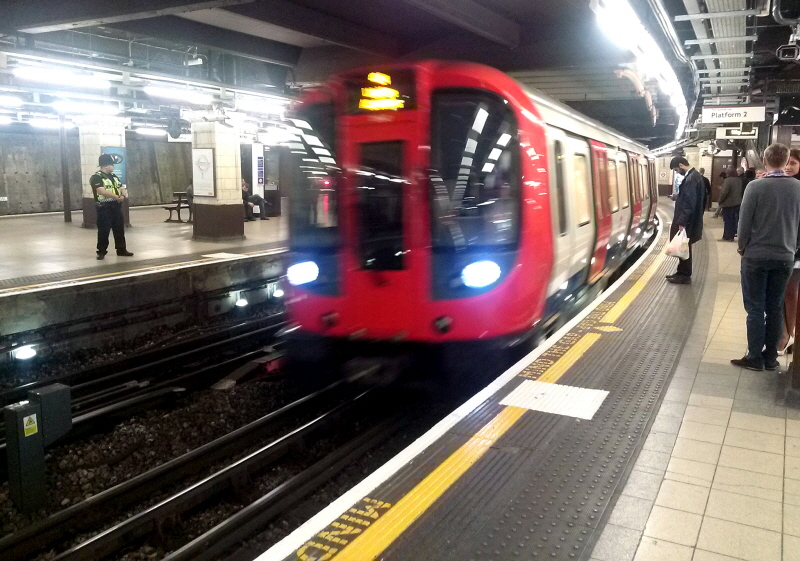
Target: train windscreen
379,184
315,174
474,175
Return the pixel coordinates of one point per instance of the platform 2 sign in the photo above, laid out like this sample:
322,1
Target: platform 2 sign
734,114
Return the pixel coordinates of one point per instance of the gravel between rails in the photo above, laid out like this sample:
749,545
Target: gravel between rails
84,468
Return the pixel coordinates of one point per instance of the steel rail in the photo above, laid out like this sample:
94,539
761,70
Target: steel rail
41,535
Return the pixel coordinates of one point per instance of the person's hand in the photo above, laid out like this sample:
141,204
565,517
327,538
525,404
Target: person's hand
681,228
252,204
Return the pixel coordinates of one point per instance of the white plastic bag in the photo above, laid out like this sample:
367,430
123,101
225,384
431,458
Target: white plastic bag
679,246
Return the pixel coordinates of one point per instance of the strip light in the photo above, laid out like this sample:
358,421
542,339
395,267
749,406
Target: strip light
10,101
189,96
60,76
85,108
622,26
151,131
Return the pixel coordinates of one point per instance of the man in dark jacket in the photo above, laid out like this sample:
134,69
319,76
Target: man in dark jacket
707,184
688,215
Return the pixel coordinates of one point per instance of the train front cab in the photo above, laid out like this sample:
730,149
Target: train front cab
439,235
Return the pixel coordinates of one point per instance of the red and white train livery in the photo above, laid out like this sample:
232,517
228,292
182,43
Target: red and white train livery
445,203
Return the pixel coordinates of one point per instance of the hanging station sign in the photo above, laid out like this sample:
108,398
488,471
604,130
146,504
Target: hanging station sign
734,114
724,133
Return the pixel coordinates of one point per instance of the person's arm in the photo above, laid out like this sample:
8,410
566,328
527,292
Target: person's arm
723,193
746,213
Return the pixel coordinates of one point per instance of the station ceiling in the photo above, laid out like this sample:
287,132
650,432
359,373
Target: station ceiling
554,45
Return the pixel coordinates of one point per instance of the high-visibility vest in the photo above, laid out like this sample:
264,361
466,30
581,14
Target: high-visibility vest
111,184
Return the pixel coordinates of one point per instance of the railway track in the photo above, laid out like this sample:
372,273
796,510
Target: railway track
107,504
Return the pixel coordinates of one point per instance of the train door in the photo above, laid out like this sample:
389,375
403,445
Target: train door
602,210
626,205
651,166
644,188
620,216
563,241
582,215
636,201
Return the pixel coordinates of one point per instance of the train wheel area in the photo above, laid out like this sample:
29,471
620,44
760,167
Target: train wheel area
602,442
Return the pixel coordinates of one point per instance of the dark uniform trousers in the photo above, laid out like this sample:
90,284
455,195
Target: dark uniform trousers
110,218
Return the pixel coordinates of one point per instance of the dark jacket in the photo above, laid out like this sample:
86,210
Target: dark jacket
731,193
689,205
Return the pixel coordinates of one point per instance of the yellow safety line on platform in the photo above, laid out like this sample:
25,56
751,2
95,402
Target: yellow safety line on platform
388,527
568,360
378,536
623,303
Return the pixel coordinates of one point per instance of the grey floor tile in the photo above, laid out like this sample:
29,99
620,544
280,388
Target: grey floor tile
768,396
660,442
758,381
678,394
631,512
666,423
672,409
714,389
652,461
684,372
717,379
643,485
717,368
681,383
760,408
616,544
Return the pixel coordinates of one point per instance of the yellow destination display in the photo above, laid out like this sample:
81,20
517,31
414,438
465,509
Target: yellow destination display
378,91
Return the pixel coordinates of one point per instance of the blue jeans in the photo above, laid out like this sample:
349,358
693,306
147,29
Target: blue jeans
763,285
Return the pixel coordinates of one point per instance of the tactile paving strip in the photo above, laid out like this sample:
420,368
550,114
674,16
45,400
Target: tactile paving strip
546,489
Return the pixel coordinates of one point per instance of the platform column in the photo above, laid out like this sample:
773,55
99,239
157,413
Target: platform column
221,216
93,138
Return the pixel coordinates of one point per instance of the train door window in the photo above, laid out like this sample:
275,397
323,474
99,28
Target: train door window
558,150
475,184
583,196
613,188
624,193
379,184
645,181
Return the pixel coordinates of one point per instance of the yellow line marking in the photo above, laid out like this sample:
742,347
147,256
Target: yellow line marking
370,543
569,358
378,536
623,303
608,329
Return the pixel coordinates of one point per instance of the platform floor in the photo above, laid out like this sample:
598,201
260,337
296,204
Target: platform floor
719,476
42,248
672,453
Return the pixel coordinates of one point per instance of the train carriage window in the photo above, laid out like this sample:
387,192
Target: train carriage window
583,196
559,184
475,172
624,193
613,188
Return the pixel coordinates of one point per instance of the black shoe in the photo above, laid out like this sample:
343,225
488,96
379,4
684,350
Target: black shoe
125,253
680,279
101,256
264,218
745,362
771,365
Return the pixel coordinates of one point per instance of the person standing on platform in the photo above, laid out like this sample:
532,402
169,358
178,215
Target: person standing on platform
707,184
749,175
769,237
786,341
688,215
730,197
109,195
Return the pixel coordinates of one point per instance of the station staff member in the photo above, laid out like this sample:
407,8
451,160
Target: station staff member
109,194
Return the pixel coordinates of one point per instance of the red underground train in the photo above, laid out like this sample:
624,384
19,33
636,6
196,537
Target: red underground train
444,205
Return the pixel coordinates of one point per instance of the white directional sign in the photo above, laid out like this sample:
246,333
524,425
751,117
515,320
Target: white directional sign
734,114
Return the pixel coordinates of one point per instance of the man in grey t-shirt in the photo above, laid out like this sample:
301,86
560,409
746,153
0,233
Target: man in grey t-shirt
769,237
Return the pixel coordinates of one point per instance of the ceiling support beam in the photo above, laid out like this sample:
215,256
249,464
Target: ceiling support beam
713,40
42,16
742,79
718,70
721,57
316,24
475,18
710,15
181,30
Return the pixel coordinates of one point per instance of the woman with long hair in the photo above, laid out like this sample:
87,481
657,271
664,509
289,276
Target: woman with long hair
790,296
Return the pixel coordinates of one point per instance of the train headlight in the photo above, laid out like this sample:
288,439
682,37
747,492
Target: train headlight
480,274
302,273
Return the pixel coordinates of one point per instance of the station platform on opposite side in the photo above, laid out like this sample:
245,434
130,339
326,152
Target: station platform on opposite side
627,436
42,251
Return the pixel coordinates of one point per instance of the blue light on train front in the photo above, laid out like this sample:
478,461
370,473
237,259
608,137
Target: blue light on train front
480,274
302,273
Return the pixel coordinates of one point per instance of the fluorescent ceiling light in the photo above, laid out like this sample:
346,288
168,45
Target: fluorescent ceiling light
259,105
5,120
60,76
151,131
85,108
44,123
10,101
189,96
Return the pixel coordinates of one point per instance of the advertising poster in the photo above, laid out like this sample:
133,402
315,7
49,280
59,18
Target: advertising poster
203,172
118,153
